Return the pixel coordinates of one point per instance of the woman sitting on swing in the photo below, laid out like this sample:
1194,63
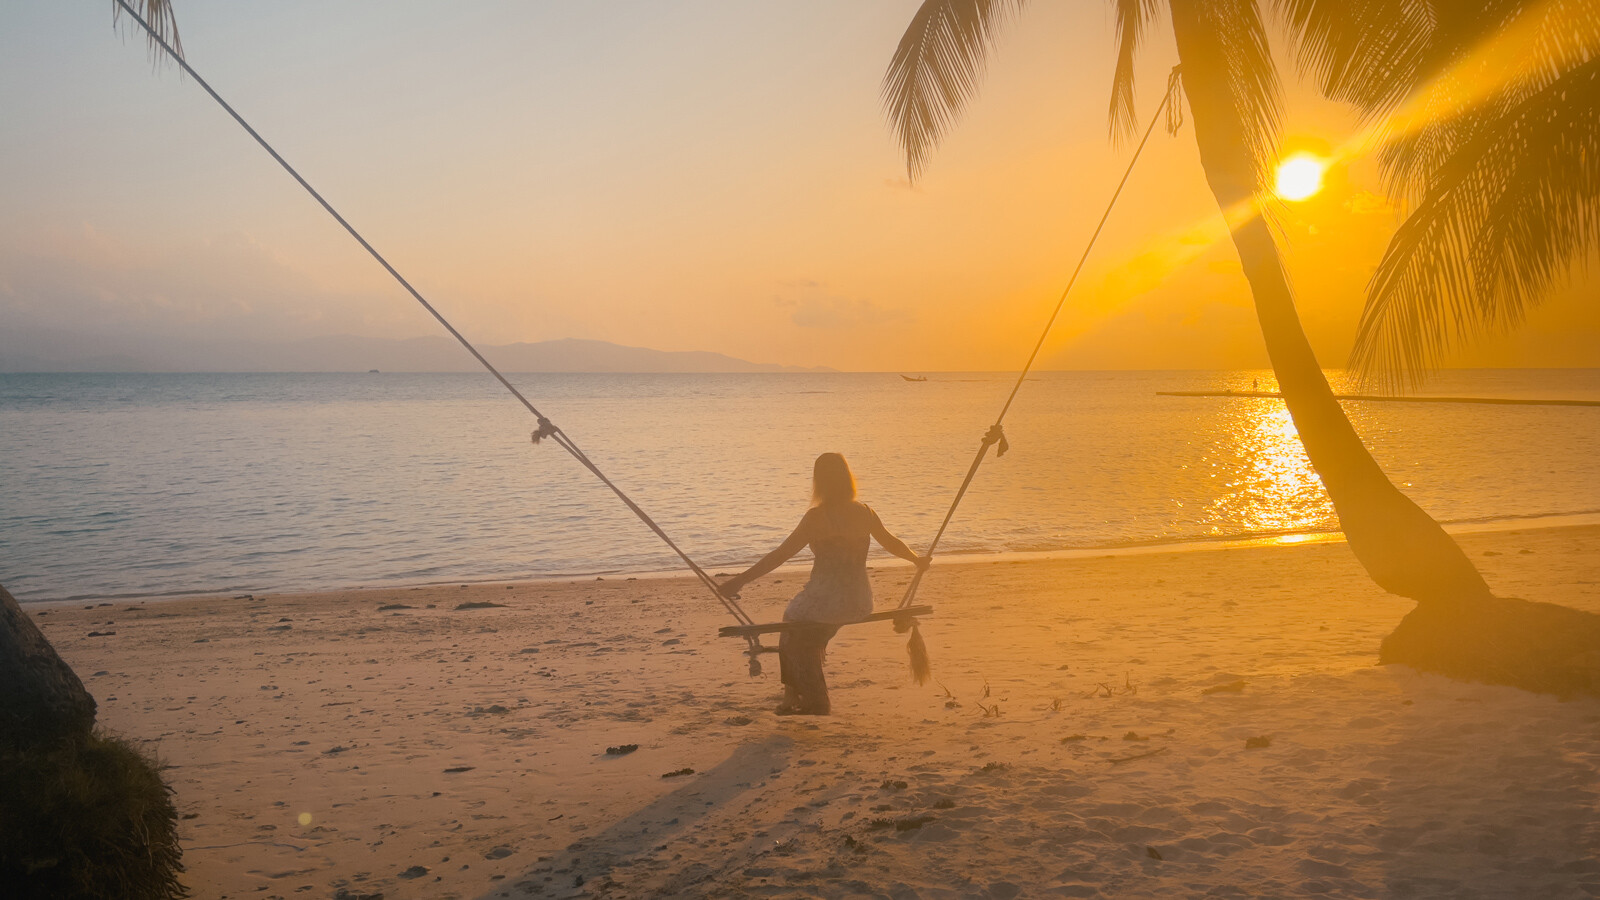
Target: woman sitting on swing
837,526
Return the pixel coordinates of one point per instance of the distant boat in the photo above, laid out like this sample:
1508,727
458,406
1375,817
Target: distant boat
918,378
372,372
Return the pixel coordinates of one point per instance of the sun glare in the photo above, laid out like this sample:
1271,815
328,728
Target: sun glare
1299,177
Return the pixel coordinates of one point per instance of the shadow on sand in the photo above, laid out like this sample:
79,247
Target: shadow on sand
596,857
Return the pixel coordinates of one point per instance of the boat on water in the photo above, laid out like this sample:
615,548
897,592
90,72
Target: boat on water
918,378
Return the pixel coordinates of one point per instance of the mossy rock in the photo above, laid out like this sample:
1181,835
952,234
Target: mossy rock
85,820
41,699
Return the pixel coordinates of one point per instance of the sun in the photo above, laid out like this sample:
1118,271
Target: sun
1299,177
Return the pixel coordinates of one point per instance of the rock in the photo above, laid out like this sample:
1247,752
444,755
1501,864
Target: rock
43,700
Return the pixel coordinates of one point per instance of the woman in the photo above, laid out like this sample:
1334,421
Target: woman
837,526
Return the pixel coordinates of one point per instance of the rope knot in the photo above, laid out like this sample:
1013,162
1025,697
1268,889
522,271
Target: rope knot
997,435
546,428
1174,100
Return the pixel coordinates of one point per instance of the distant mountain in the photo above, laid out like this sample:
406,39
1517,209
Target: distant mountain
62,352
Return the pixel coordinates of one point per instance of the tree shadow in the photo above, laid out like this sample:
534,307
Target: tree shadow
1539,647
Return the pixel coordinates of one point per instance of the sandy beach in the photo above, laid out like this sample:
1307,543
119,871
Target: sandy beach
1171,724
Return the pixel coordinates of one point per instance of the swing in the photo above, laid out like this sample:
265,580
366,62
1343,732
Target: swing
905,615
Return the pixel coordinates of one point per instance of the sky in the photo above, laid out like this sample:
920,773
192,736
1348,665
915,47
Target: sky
677,175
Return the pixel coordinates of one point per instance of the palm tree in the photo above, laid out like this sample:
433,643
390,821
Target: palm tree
1491,110
1231,86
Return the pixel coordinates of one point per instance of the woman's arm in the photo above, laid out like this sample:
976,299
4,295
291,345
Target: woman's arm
791,545
893,544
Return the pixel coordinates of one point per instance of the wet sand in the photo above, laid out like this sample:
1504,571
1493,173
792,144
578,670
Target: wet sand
1200,723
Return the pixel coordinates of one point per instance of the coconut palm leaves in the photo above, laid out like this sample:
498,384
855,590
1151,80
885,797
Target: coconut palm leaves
936,68
941,58
1489,112
163,23
1133,19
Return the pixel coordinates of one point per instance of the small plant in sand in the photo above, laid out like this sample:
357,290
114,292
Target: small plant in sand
987,710
1109,689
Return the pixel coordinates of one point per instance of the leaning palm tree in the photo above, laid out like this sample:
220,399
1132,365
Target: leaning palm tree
1230,83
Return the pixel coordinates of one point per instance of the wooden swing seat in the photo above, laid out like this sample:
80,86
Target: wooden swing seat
747,631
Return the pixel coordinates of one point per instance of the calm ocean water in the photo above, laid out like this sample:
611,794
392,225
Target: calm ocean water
156,484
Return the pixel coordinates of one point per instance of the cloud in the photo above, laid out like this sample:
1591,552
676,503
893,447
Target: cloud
229,286
813,307
1367,203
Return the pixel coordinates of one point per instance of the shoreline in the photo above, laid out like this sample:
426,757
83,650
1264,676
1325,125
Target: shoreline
1183,545
596,739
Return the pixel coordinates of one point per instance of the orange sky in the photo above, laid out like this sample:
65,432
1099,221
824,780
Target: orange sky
684,176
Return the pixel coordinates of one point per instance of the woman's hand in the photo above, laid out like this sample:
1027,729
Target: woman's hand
922,563
731,587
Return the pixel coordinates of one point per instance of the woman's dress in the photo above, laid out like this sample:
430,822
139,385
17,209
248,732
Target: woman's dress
838,591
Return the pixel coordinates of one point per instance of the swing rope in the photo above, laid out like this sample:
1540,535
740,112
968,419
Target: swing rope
905,614
546,428
996,436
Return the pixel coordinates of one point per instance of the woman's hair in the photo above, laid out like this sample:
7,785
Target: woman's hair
831,481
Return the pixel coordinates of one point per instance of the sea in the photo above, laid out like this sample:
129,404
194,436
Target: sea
117,485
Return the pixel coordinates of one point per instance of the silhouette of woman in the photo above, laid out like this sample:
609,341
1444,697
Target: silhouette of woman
837,526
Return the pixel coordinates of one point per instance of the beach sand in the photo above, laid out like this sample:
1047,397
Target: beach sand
1171,724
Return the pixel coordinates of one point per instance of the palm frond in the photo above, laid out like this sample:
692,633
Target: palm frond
1479,56
936,69
1232,86
1508,214
1365,52
163,24
1133,18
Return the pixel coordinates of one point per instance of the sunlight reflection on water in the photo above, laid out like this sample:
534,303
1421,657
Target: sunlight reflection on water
1266,481
162,483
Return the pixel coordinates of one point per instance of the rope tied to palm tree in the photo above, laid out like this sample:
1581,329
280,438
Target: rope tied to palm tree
916,648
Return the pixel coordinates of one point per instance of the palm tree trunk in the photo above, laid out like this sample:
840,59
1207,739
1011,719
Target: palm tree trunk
1402,548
